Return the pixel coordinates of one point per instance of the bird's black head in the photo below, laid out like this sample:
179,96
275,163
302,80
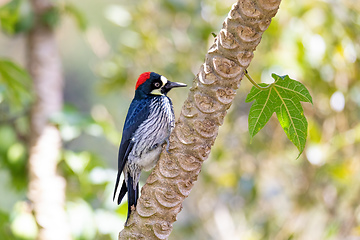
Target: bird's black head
150,83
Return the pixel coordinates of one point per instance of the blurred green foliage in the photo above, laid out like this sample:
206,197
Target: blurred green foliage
15,85
16,17
247,191
77,14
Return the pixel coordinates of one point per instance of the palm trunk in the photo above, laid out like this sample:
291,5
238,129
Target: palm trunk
46,188
203,112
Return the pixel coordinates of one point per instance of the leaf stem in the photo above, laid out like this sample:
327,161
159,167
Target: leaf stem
254,83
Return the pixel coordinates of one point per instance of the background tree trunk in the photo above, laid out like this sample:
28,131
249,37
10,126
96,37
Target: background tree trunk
203,112
46,187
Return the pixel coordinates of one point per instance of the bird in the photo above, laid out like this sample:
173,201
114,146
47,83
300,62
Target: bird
148,124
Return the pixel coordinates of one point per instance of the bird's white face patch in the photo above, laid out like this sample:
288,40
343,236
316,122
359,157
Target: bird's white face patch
164,80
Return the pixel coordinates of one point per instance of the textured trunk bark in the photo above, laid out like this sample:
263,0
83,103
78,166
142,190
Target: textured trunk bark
203,112
46,188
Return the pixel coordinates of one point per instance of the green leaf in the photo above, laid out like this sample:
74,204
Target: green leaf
282,97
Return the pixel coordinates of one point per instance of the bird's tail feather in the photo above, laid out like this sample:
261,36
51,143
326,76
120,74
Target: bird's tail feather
116,184
122,193
132,194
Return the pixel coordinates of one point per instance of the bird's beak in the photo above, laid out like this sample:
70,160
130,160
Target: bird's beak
169,85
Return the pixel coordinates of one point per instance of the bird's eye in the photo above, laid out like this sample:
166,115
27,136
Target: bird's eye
157,84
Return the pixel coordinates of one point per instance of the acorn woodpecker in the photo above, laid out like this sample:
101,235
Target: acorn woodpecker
148,124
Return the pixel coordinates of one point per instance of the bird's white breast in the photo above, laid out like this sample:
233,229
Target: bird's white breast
152,133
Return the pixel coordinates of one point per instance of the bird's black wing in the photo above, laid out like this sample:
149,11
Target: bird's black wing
138,111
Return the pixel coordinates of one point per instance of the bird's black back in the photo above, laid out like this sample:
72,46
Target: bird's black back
138,112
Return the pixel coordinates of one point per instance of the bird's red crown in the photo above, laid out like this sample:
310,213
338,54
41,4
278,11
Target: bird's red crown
142,78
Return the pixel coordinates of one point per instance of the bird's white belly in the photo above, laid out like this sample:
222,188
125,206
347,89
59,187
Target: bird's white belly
148,159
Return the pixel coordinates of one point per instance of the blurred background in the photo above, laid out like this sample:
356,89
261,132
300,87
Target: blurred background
250,191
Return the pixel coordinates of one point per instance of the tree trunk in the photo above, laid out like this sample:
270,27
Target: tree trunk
212,93
46,188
